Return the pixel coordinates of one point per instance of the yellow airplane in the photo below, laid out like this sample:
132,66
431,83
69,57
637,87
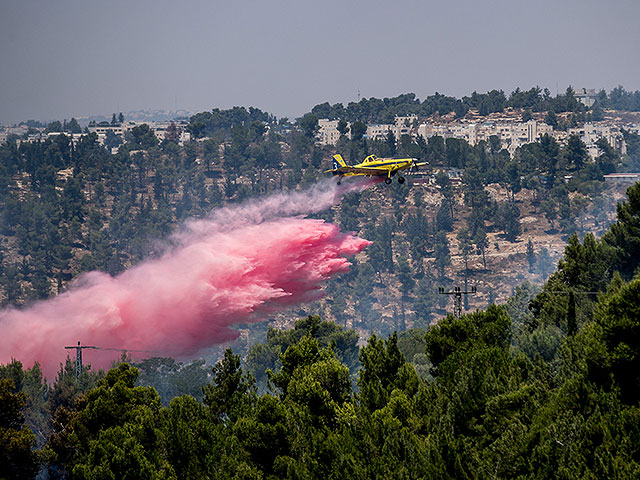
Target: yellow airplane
373,166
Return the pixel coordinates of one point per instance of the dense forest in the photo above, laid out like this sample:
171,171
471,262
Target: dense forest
545,385
532,389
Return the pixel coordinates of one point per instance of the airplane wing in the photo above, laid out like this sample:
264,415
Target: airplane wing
360,170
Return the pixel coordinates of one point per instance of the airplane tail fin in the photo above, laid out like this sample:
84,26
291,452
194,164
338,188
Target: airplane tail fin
338,162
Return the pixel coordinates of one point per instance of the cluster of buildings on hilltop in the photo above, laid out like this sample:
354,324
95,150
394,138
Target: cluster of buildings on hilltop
512,134
328,133
159,129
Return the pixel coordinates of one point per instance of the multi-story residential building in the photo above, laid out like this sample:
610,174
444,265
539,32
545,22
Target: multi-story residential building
511,133
160,131
403,125
103,129
380,131
328,132
468,132
590,133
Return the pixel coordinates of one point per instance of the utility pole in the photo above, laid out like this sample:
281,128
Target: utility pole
457,293
79,356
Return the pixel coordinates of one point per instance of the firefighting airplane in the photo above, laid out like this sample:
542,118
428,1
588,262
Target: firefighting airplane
373,166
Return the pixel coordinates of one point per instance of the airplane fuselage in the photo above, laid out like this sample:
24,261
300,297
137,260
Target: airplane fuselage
373,166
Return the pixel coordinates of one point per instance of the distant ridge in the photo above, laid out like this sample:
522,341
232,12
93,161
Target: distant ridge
141,116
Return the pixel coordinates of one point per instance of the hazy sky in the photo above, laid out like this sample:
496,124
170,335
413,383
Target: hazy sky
69,58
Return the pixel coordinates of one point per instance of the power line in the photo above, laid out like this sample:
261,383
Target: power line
79,349
567,292
79,356
457,293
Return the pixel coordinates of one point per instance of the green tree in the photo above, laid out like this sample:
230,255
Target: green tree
265,356
141,137
531,255
425,302
444,219
576,153
73,126
116,433
572,324
608,159
358,129
512,176
551,119
52,127
192,439
508,219
343,127
383,370
405,276
550,210
312,377
442,253
231,392
17,458
624,235
451,336
309,124
614,355
465,246
482,242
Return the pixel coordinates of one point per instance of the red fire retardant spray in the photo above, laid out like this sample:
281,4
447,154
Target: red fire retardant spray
238,265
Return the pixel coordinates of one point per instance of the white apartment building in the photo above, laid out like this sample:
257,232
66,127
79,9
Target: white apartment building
468,132
327,132
512,134
158,128
403,125
380,131
160,131
102,130
590,133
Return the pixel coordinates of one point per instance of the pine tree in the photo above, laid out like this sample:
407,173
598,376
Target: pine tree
572,326
531,255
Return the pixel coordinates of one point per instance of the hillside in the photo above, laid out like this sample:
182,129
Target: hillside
543,387
70,208
507,262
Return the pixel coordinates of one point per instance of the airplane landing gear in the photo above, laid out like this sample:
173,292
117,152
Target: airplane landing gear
387,181
400,180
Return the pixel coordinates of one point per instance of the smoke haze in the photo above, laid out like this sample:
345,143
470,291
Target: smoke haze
236,266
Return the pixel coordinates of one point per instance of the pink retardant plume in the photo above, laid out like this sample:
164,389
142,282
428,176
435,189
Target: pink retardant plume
239,265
